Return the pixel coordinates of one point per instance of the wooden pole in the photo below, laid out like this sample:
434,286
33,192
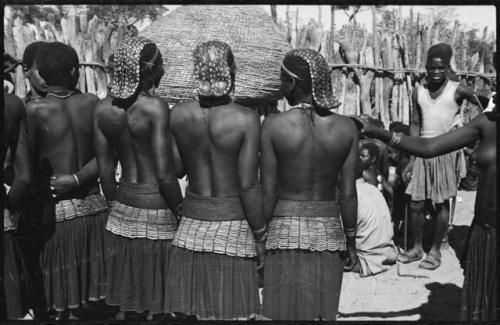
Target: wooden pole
331,39
288,25
274,13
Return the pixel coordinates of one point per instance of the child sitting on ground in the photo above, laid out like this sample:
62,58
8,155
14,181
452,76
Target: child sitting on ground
369,154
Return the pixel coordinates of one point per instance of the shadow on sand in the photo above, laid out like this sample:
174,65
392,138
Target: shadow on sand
443,304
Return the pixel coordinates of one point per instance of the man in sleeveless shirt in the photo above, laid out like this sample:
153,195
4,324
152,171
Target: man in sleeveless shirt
436,105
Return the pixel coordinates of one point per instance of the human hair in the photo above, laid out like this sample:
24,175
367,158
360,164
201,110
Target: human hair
299,66
372,148
147,68
58,65
378,123
30,53
399,127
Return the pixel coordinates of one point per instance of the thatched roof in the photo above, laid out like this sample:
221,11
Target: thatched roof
258,45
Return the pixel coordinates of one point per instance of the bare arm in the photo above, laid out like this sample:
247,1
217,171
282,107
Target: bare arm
105,161
179,166
25,160
161,143
431,147
248,163
268,170
347,188
464,92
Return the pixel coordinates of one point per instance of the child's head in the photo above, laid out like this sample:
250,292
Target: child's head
368,153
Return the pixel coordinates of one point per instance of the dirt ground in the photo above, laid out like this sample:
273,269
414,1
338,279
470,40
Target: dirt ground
407,292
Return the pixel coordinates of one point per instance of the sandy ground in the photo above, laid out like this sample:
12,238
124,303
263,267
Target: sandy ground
407,292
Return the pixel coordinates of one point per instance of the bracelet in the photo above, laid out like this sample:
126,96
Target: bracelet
350,232
76,179
260,234
395,139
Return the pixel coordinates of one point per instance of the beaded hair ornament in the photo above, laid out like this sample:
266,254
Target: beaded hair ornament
320,77
211,68
126,67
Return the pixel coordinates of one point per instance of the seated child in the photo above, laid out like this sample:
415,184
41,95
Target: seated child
375,248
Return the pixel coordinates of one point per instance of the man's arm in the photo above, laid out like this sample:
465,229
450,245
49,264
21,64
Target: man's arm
348,196
415,125
464,92
25,157
268,170
161,143
105,161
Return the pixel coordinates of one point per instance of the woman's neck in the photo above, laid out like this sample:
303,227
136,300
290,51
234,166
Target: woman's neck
211,101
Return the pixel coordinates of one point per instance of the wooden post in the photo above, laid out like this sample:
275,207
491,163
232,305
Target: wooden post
365,79
288,25
9,44
22,85
274,14
483,49
463,45
331,48
297,28
453,62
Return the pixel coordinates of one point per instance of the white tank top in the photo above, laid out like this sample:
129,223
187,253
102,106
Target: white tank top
438,114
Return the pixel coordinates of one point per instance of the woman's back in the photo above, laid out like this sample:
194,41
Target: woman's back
309,154
129,132
64,130
209,142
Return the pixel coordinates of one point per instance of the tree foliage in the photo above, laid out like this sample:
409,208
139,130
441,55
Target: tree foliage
114,14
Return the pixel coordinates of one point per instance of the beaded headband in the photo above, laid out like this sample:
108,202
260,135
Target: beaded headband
126,67
320,77
212,70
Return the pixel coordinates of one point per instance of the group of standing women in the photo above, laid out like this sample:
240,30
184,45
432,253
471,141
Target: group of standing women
140,245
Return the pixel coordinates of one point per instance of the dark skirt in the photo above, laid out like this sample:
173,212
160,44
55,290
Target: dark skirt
136,273
479,293
212,286
12,280
73,264
302,285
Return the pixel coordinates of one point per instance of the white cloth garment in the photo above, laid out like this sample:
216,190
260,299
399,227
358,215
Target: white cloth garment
374,230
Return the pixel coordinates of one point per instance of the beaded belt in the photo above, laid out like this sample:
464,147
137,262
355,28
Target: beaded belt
308,225
73,208
133,222
216,225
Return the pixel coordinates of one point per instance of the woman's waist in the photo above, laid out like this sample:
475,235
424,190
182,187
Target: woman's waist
140,195
307,194
306,208
212,208
81,192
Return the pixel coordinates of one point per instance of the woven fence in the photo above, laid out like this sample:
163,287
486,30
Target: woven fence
379,76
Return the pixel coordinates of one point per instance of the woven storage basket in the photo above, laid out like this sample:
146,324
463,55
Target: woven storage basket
258,45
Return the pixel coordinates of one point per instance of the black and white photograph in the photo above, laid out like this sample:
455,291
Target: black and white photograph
177,163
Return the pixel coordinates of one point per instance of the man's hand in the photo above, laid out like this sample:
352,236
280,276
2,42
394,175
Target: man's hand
407,172
61,184
365,126
350,259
